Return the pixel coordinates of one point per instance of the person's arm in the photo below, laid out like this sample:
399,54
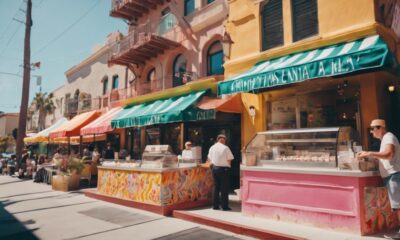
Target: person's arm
229,156
386,154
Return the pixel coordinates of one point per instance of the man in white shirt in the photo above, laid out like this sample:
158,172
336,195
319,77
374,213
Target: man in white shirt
187,152
221,157
389,163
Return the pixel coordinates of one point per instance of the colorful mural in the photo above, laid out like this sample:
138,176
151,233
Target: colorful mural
378,213
158,188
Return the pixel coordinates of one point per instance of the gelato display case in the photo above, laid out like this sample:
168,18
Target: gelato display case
159,156
312,176
332,147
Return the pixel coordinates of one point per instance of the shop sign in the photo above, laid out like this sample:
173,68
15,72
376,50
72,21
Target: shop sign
200,115
287,74
205,115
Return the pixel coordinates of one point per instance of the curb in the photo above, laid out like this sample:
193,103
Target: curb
233,227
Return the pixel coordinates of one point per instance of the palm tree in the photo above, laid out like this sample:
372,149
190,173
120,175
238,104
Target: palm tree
44,104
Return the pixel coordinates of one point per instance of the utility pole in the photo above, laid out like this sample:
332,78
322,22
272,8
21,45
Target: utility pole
25,84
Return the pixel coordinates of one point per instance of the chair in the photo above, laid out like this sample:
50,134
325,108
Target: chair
49,174
86,173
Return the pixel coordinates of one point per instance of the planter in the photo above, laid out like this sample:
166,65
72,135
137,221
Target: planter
65,183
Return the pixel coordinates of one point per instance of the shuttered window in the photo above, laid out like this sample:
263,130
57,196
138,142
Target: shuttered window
272,24
305,19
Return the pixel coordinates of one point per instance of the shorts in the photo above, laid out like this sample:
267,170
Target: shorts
392,183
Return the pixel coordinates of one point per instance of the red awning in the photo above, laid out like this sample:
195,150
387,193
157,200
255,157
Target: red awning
230,104
101,124
73,127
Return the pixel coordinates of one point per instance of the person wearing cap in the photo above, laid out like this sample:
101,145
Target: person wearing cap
220,157
187,152
389,163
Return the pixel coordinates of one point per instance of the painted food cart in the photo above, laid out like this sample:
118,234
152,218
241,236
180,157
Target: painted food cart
157,183
311,176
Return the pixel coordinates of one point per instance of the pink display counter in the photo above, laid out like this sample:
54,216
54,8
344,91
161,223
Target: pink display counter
349,201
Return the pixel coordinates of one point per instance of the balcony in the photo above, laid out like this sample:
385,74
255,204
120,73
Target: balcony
208,15
147,41
125,93
74,106
131,9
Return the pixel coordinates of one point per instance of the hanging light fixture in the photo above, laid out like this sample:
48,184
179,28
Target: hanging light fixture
226,45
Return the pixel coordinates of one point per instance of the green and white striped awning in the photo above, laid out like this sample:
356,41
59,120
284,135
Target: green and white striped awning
366,53
176,109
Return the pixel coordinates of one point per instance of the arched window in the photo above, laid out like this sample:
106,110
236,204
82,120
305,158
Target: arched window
151,75
179,71
105,85
215,59
115,82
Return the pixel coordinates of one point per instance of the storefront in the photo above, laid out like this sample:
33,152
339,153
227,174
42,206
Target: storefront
39,143
298,97
100,132
70,129
170,121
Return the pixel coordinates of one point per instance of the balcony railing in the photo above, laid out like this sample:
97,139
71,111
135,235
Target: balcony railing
130,92
75,106
131,9
147,41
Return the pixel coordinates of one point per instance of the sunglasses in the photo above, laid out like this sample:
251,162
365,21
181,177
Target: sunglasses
375,127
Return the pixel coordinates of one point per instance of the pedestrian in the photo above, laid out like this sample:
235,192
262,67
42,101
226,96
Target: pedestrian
109,152
187,152
389,164
220,157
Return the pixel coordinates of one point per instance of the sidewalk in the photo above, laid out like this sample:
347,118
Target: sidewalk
31,210
235,222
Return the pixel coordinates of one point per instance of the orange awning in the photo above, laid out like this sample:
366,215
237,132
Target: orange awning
76,139
73,127
88,139
230,104
101,124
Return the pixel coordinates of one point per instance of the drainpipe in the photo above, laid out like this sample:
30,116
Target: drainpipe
126,77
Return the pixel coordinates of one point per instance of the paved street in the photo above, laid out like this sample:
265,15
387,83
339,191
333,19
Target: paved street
33,211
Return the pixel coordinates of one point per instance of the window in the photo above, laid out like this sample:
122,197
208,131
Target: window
305,19
272,24
215,58
151,75
105,85
179,70
115,82
168,21
189,6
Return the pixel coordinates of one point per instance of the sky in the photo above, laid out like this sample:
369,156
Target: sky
64,33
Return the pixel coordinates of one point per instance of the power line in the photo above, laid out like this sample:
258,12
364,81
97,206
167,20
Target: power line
9,23
67,29
12,74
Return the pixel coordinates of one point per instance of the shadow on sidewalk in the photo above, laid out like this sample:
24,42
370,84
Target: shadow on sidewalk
23,194
12,228
17,181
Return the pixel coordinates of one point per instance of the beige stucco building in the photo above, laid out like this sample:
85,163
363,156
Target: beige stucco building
8,122
89,84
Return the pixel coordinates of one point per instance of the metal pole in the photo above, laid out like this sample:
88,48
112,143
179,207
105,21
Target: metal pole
25,85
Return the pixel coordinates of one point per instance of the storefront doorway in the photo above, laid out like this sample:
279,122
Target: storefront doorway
205,133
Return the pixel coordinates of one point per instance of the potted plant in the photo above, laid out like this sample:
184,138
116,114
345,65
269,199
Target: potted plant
68,174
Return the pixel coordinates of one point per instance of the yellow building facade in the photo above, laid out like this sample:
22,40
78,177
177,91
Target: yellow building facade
338,22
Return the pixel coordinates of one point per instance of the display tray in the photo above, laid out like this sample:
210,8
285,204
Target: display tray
297,163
